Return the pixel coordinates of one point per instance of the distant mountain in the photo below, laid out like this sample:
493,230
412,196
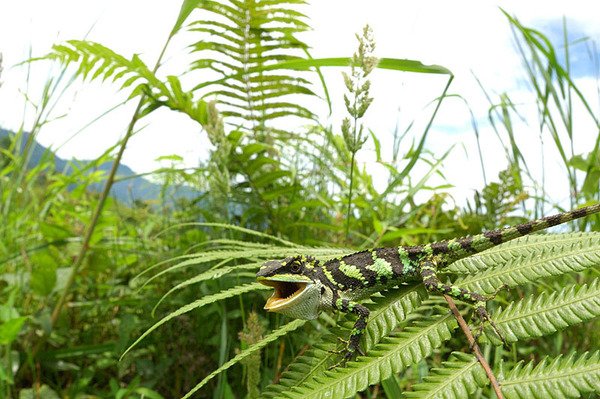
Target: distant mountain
130,188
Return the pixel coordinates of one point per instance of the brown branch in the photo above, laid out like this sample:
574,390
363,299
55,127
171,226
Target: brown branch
474,347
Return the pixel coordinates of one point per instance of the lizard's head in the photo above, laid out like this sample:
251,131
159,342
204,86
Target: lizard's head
297,293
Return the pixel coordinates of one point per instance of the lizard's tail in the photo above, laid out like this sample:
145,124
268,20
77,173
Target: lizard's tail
492,238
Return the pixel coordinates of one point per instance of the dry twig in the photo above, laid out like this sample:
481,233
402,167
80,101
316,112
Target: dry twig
475,348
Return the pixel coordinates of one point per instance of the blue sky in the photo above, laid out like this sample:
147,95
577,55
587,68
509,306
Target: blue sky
468,37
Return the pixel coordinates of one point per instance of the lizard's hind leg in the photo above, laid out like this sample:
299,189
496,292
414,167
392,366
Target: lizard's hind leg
433,284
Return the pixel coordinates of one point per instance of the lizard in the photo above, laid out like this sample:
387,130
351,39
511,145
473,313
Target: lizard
304,286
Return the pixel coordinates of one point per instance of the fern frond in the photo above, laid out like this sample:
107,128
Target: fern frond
386,313
159,264
248,36
281,331
99,62
459,377
231,292
390,310
535,243
239,229
202,258
230,244
255,254
549,261
561,377
548,313
391,355
208,275
313,362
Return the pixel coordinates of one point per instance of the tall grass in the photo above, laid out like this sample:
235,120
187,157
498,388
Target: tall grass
75,295
557,97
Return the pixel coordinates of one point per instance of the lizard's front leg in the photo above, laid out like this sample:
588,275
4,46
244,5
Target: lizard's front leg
433,284
353,343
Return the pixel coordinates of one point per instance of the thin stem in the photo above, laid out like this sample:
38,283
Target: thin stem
97,212
99,207
474,347
348,213
354,150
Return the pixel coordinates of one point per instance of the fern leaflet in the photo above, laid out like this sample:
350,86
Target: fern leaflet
459,377
548,313
529,267
235,291
291,326
391,355
561,377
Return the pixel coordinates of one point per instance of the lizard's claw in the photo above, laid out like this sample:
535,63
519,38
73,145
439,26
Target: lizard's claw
348,353
484,316
346,344
502,288
347,356
350,347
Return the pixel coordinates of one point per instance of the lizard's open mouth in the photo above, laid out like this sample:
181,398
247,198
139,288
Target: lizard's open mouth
285,292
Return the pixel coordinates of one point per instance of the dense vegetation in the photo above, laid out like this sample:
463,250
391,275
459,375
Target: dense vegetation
82,276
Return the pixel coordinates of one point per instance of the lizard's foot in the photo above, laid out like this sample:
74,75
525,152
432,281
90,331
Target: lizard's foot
484,316
501,288
348,352
347,356
346,345
351,346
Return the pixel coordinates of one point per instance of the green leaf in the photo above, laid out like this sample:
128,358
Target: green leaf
106,63
313,362
43,275
253,148
590,183
268,178
173,158
54,232
208,275
405,232
9,330
548,312
391,387
520,267
281,331
384,63
42,392
245,253
503,253
240,229
391,355
459,377
7,310
389,311
394,64
235,291
578,162
5,376
561,377
248,36
386,313
84,351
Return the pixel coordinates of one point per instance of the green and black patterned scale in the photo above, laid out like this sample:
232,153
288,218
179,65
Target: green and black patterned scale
305,286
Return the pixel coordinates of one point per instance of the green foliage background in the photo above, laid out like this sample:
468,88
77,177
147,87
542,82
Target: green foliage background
100,299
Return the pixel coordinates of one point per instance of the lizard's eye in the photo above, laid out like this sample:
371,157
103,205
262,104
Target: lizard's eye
295,267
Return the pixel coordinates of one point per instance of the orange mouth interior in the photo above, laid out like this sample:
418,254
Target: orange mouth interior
285,291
